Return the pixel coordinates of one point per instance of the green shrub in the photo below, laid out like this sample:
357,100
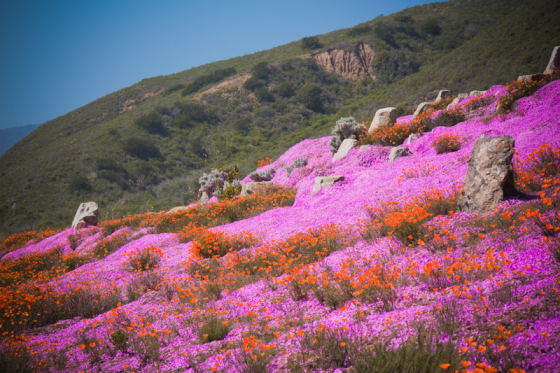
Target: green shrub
447,144
140,148
422,353
430,27
310,43
264,95
310,94
120,340
213,329
285,89
298,163
173,88
144,260
79,184
210,244
358,30
151,122
345,128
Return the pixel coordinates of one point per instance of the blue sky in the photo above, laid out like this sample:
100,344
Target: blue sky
57,55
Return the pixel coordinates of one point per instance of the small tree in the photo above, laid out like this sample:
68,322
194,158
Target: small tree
151,123
310,96
310,42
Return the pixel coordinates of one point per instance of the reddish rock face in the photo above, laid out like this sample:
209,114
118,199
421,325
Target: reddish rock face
354,64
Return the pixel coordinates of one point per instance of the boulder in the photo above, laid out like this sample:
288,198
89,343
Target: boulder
345,147
460,96
412,137
489,175
86,215
254,187
476,93
383,116
554,62
421,108
533,78
204,198
363,148
177,209
398,152
324,182
442,95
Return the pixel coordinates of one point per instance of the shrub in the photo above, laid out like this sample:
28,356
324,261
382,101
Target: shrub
537,170
151,122
144,260
444,119
210,244
79,184
422,353
259,176
310,42
173,88
120,340
264,95
285,89
298,163
140,148
310,95
447,143
345,128
430,27
212,183
214,329
111,244
71,262
358,30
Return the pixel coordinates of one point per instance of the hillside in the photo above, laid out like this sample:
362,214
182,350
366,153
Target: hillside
10,136
144,147
378,272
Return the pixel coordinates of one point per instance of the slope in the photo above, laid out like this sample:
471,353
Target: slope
144,147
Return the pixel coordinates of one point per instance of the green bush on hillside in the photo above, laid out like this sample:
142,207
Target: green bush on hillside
79,184
151,122
359,30
310,96
310,42
141,148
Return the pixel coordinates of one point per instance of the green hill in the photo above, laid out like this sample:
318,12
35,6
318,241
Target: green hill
144,147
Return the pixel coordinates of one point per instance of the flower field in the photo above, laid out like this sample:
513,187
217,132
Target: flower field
377,273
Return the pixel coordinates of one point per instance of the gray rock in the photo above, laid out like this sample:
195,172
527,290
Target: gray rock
324,182
442,95
204,198
554,62
363,148
476,93
254,187
398,152
460,96
345,147
421,108
412,137
489,175
86,215
383,116
177,209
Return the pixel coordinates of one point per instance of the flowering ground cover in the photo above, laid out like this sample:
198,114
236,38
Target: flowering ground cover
377,273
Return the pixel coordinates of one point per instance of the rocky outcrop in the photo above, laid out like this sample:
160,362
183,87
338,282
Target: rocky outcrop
177,209
383,116
554,62
442,95
532,78
324,182
412,137
344,148
489,175
254,187
86,215
421,108
398,152
355,63
460,96
476,93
